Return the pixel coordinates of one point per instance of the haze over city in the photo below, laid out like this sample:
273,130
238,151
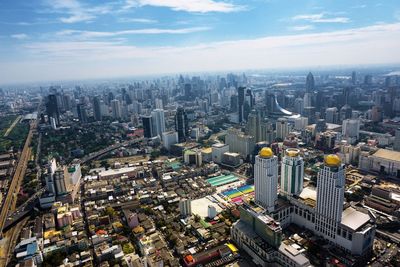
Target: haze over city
72,39
199,133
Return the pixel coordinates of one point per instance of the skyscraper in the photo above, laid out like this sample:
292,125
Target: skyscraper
397,140
52,108
97,109
292,172
147,126
82,113
310,86
241,103
116,109
158,122
181,124
353,77
254,125
266,178
282,128
330,196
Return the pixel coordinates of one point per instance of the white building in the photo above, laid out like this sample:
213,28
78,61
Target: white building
211,211
169,138
351,130
382,160
330,196
240,143
266,179
218,150
185,207
158,122
292,172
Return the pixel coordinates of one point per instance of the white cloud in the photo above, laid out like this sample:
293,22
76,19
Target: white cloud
200,6
137,20
76,11
96,59
301,27
96,34
321,18
20,36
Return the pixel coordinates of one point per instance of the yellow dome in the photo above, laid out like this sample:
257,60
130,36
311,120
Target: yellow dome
291,152
266,152
332,160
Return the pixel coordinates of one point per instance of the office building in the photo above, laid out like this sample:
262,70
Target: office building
211,211
299,105
254,125
52,109
292,172
147,122
97,109
218,150
169,138
158,122
351,130
282,128
185,207
266,178
396,145
241,103
181,124
116,109
331,115
239,142
82,113
60,182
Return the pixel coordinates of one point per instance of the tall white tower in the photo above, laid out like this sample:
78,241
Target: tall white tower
158,122
292,172
330,196
266,178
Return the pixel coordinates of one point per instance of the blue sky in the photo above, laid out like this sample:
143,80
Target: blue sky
77,39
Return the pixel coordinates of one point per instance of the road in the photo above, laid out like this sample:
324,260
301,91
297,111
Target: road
108,149
12,126
10,201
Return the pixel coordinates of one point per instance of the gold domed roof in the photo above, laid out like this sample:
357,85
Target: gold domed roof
332,160
291,152
266,152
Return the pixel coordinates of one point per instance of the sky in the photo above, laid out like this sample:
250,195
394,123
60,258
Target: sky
54,40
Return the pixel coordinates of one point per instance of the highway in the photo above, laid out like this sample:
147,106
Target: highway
10,201
109,149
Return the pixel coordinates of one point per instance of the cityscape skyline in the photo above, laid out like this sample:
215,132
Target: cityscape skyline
75,40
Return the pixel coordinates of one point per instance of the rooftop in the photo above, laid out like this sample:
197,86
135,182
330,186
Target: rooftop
354,219
387,154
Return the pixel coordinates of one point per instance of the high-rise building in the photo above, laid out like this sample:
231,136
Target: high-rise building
239,142
397,140
185,207
331,115
254,125
116,109
270,102
282,128
267,133
351,129
82,113
181,124
292,172
241,103
52,109
353,77
97,109
169,138
158,122
266,178
310,86
330,196
299,105
147,122
59,181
